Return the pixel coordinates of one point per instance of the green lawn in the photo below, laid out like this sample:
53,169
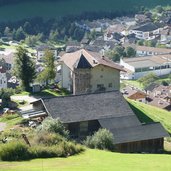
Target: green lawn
11,120
50,9
147,114
95,160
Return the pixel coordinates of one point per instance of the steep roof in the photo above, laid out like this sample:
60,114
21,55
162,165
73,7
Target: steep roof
88,107
93,58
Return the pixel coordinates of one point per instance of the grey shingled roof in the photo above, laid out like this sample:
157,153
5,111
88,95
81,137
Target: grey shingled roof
88,107
139,133
110,109
146,27
119,122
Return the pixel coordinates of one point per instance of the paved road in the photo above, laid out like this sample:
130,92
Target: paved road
2,126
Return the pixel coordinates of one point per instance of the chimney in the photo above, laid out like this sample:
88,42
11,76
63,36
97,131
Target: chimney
103,57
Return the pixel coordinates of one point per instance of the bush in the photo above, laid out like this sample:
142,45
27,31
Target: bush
48,139
14,151
54,126
102,139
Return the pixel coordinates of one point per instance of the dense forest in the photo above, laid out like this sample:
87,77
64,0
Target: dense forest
6,2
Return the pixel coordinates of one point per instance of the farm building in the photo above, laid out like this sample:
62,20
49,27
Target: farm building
84,114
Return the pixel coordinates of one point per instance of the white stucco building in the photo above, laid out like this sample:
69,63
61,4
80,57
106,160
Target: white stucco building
147,31
139,66
85,71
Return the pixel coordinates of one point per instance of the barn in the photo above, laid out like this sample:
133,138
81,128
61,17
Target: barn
84,114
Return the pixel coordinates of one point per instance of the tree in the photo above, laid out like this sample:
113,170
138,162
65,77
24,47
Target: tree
159,9
140,42
5,96
24,68
130,52
112,55
20,34
27,28
120,51
53,36
49,73
148,79
7,32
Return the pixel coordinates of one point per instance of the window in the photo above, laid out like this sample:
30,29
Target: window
99,86
110,84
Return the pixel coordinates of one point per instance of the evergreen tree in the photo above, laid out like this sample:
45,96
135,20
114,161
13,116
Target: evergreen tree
24,68
20,34
49,73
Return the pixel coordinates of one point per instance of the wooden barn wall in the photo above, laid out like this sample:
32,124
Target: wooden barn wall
152,146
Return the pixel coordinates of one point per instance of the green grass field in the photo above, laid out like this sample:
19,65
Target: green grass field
65,7
148,114
94,160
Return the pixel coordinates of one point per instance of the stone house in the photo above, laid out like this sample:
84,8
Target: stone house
84,71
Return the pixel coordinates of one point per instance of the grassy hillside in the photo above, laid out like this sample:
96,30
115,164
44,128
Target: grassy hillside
48,9
148,114
95,160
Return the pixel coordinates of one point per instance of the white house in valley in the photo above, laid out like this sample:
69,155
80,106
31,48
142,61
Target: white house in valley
40,52
3,78
84,71
140,66
148,51
146,31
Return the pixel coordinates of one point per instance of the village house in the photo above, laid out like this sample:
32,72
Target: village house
40,52
139,66
160,97
84,114
7,61
134,94
147,31
3,78
165,35
84,71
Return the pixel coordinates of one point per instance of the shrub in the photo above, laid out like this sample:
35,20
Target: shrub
14,151
54,126
48,139
102,139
